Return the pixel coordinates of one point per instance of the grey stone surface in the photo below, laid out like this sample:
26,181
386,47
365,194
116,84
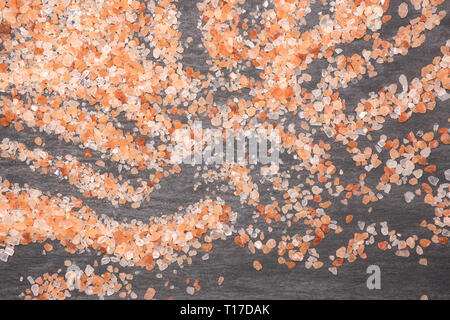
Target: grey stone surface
400,278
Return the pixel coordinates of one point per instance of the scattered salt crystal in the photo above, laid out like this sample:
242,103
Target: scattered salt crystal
190,290
444,97
447,174
328,132
318,106
433,180
418,173
89,270
9,251
409,196
35,289
391,163
105,260
3,256
361,225
419,250
423,261
403,10
404,82
425,152
402,253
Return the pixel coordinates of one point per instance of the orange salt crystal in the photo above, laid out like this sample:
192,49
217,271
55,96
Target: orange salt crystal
318,264
424,242
241,240
19,127
290,264
149,294
428,136
348,219
38,141
403,117
442,240
257,265
383,245
141,141
42,100
445,138
262,116
206,247
420,108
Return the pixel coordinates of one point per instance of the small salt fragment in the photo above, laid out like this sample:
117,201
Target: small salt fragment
3,256
35,289
328,132
9,251
409,196
391,164
318,106
433,180
402,253
190,290
417,173
333,270
444,97
435,127
447,174
419,250
149,294
404,82
257,265
89,270
361,225
105,260
403,10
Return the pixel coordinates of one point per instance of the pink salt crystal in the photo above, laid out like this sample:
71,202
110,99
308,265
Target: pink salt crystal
403,10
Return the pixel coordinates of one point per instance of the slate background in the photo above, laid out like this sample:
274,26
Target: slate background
401,278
